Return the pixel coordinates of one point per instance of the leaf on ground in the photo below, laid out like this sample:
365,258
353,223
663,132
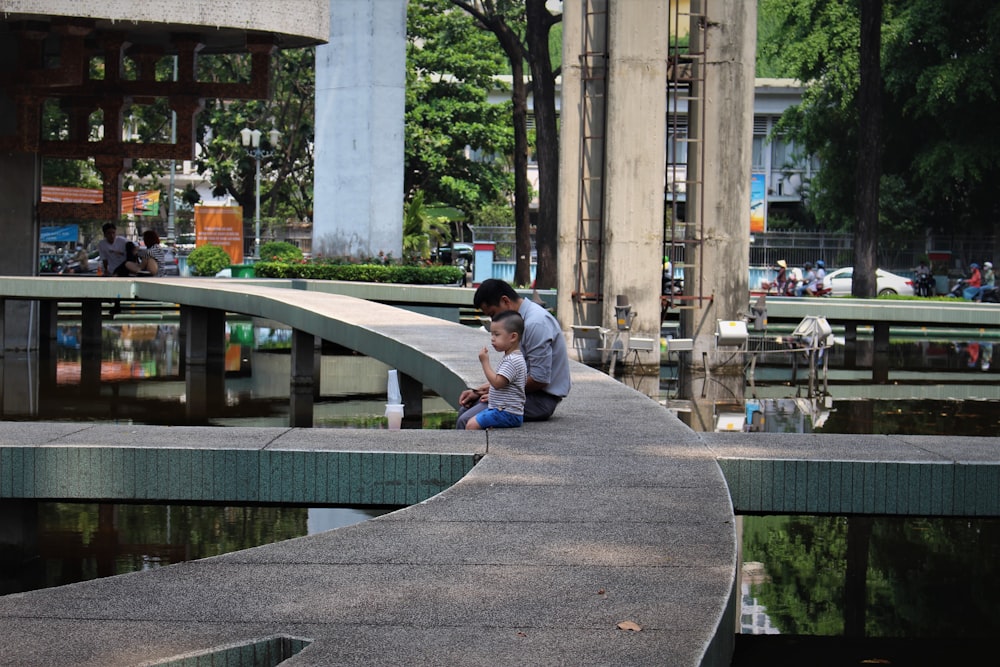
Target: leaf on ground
630,626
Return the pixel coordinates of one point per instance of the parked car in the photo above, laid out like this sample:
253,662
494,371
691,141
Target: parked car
454,254
839,282
171,267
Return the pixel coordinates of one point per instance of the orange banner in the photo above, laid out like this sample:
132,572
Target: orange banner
145,202
221,226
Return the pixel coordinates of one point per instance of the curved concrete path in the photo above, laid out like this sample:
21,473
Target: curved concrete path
612,511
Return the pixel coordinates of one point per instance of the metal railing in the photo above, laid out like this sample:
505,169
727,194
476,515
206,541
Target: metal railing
947,253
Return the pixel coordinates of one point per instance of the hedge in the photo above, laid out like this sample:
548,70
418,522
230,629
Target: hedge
369,273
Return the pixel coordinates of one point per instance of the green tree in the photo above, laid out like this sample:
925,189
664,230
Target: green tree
451,68
523,29
940,95
420,230
286,169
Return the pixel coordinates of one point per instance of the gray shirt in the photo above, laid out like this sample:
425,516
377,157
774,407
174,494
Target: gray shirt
544,349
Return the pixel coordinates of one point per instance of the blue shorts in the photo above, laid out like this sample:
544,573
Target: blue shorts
493,418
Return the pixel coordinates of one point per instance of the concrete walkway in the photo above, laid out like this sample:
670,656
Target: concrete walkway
612,511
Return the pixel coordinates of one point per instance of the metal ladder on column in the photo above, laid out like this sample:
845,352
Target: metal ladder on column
590,215
682,239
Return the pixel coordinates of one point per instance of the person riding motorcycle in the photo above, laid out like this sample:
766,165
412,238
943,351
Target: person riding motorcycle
808,280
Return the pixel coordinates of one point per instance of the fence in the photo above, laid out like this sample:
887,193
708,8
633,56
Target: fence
948,253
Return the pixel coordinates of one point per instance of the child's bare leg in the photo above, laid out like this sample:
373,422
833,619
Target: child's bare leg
472,425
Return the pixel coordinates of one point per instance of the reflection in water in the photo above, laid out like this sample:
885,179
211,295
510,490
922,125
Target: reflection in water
920,577
140,379
69,542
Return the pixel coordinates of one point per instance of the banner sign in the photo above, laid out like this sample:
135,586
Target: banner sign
221,226
60,234
758,203
145,202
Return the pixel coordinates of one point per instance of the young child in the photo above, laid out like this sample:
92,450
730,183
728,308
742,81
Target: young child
506,393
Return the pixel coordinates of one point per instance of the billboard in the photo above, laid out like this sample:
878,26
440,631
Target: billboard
758,203
60,234
145,202
221,226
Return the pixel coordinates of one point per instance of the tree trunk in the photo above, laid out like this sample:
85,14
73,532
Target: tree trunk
869,151
522,194
539,23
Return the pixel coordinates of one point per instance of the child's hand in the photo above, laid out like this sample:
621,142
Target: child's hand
484,355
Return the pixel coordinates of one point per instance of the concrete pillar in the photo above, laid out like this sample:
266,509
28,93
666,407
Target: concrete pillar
20,188
412,392
204,360
90,346
303,381
635,165
627,178
360,101
575,200
720,205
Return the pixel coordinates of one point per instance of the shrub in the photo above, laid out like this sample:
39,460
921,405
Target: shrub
371,273
280,251
207,260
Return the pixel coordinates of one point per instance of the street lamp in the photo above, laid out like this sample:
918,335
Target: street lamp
251,141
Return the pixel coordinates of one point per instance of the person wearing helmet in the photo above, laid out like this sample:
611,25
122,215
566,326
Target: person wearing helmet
820,271
972,286
975,278
989,280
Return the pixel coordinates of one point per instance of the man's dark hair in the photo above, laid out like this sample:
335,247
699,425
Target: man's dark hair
108,225
511,321
490,291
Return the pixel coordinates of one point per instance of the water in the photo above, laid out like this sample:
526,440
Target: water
142,382
71,542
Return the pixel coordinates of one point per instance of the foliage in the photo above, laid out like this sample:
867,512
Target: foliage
371,273
286,169
451,68
523,29
280,251
420,230
494,215
925,577
941,77
208,260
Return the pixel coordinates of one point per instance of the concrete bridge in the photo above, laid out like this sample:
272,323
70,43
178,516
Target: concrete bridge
544,540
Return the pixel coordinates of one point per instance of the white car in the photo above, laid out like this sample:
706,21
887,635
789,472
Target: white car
839,282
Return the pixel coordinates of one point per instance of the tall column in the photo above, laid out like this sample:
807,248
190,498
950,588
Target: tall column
360,102
725,101
635,165
575,201
625,234
20,188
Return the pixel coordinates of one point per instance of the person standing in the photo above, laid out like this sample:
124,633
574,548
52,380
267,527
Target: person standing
111,249
543,347
506,383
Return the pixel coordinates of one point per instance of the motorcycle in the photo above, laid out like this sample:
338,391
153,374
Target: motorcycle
923,284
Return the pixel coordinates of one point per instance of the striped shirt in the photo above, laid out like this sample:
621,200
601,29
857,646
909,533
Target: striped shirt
510,398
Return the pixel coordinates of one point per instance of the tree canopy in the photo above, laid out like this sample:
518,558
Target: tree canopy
939,69
451,67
